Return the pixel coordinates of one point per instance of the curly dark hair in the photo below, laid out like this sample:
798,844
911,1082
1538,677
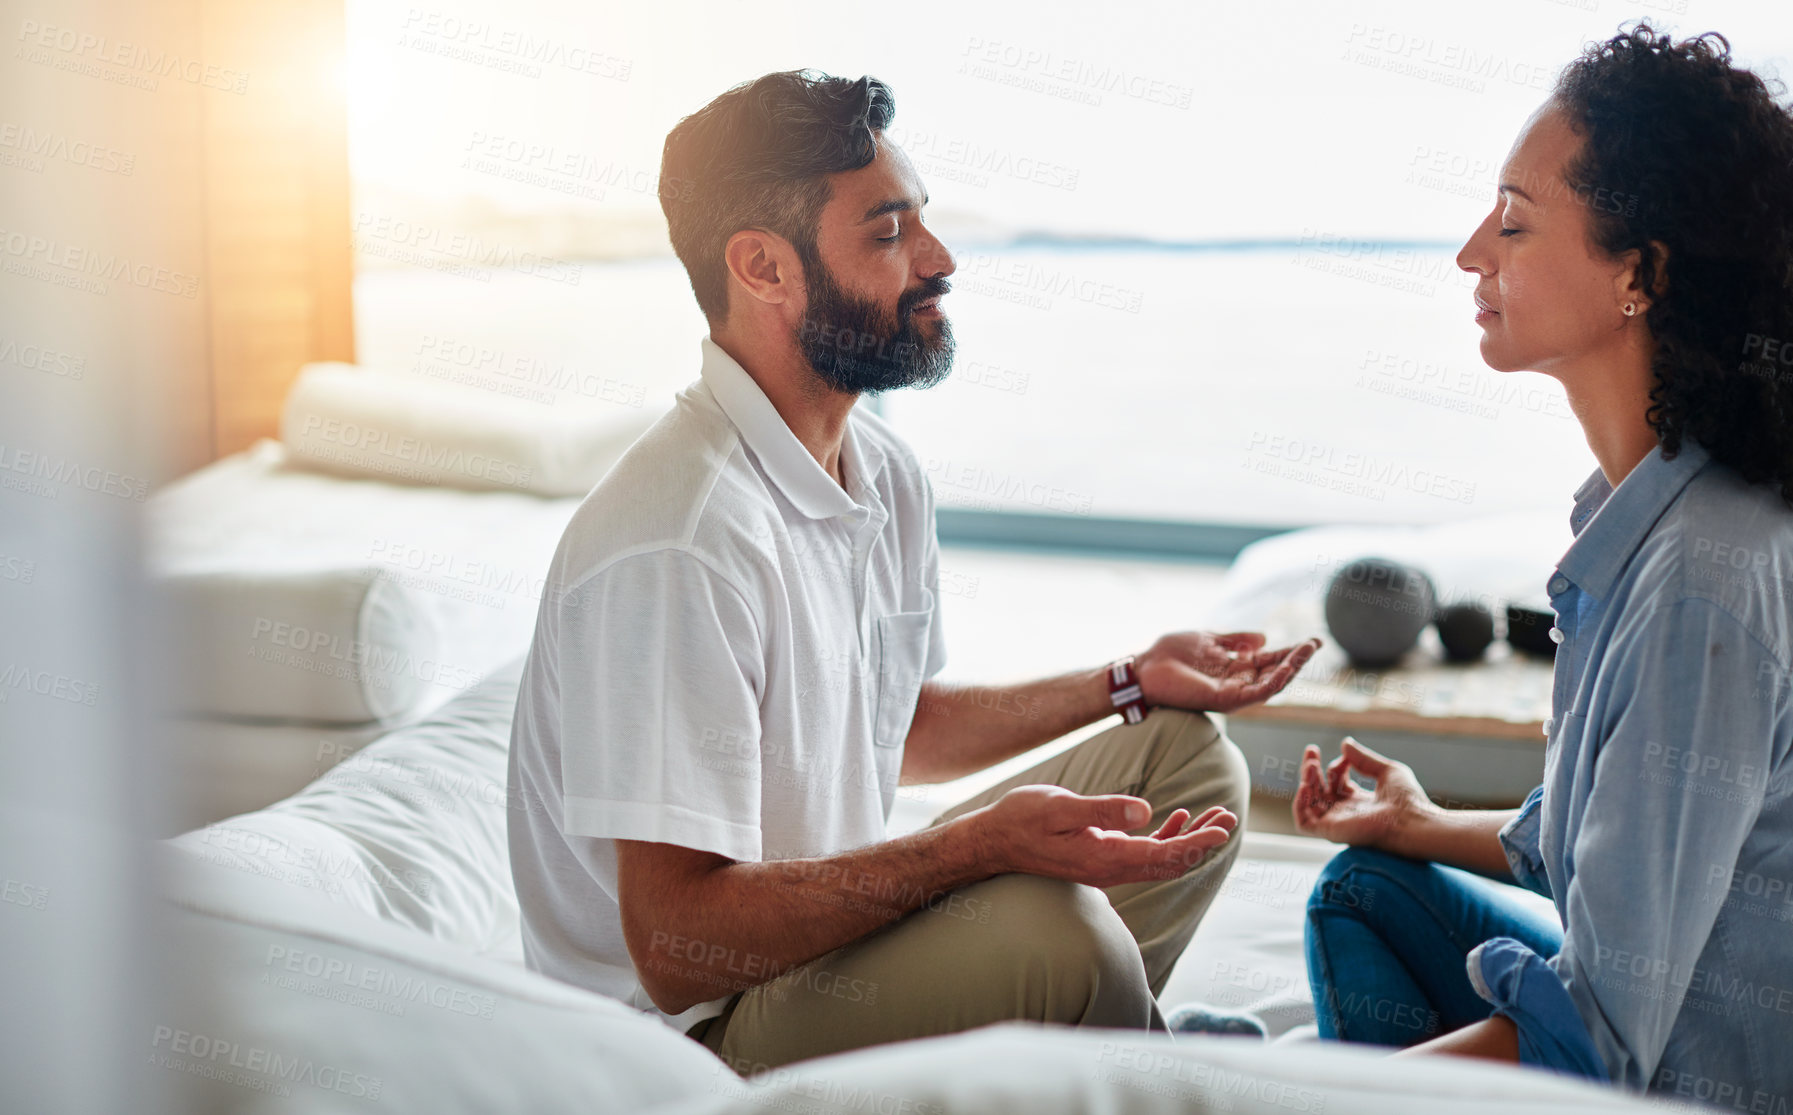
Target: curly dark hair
758,156
1700,153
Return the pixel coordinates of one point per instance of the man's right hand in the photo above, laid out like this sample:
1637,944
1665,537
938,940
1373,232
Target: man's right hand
1048,830
1328,804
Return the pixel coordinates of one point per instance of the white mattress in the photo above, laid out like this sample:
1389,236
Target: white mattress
401,1021
483,554
410,830
479,559
225,767
364,930
1247,952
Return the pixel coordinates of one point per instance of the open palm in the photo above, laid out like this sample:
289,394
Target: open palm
1218,673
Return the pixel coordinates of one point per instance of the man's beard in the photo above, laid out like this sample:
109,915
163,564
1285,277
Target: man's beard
855,349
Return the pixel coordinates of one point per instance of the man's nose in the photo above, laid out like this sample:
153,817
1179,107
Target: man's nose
938,261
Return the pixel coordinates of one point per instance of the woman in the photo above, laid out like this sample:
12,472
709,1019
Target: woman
1640,252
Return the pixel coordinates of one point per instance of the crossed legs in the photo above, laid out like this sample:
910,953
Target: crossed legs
1014,947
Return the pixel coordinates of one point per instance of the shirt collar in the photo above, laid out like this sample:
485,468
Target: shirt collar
1610,524
802,479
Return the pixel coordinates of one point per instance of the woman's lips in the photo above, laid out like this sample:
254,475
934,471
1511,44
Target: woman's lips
1483,312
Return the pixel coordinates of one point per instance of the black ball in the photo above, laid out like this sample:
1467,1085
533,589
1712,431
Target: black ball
1465,628
1376,609
1528,629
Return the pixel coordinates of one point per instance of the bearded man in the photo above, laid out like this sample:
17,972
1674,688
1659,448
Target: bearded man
733,668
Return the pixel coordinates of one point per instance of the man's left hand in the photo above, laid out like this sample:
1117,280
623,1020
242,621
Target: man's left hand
1217,673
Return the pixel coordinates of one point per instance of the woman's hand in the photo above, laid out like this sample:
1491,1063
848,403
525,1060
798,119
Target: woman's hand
1329,805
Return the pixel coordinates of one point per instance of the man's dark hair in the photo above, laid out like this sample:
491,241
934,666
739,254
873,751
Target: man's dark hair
1696,153
758,156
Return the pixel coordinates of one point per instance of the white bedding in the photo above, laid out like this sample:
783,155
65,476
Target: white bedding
410,830
287,1002
445,775
370,843
1247,952
357,941
225,767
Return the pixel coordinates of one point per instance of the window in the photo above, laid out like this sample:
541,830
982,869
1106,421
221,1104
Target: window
1205,252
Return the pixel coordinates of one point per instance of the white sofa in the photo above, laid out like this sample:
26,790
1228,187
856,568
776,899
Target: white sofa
354,948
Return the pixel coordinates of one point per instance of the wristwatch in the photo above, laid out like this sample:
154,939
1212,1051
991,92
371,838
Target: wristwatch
1123,690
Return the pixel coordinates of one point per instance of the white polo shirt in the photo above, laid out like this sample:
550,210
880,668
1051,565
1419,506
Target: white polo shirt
728,658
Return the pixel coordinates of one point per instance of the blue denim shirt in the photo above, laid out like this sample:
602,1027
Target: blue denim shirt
1663,831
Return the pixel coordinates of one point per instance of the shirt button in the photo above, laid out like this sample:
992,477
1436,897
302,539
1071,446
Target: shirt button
1549,725
1556,635
1558,585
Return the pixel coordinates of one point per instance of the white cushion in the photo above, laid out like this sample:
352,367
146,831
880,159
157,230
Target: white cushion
1492,559
344,419
323,646
478,560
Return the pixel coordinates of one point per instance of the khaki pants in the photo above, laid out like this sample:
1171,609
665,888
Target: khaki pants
1014,947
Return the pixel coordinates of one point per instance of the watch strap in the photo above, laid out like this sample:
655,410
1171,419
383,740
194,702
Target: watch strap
1124,691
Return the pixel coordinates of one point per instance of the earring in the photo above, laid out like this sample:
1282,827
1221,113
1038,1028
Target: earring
1630,308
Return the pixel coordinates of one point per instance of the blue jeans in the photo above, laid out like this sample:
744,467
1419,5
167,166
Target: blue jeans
1387,938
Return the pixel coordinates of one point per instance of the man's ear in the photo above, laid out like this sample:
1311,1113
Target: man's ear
764,264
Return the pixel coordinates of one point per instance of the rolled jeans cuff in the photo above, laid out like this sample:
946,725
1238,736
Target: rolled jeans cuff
1526,991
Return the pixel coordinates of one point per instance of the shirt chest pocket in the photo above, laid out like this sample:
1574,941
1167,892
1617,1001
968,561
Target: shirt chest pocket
902,640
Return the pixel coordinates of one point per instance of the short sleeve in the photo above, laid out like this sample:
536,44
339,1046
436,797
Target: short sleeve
661,672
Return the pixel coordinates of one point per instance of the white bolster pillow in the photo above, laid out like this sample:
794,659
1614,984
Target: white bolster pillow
332,646
343,419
